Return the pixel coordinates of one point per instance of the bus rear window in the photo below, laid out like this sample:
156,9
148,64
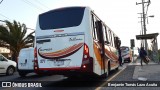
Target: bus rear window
61,18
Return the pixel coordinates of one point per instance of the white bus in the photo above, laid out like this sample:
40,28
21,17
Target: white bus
74,41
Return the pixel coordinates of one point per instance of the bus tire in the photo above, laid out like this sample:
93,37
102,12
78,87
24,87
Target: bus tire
117,68
109,68
105,75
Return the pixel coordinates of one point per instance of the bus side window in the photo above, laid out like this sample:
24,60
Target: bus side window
93,27
106,35
100,32
113,39
95,31
110,37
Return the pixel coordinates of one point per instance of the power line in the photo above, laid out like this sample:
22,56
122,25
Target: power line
1,1
5,17
33,5
42,4
8,18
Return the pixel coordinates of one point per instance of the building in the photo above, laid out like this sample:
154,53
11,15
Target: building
5,51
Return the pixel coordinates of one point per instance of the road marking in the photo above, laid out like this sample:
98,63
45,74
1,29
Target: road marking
110,79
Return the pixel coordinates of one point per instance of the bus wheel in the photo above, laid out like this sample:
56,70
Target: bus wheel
105,75
117,68
108,70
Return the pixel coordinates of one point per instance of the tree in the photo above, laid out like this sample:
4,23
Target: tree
14,37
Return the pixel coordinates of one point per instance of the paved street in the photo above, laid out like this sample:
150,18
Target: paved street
134,73
130,72
55,82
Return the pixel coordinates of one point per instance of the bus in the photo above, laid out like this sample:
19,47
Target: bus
74,41
126,53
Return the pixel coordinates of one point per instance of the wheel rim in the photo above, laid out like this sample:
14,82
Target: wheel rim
10,71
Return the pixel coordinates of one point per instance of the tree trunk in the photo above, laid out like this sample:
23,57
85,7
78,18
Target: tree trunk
14,57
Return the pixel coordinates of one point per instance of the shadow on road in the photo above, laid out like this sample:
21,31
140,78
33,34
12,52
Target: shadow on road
54,82
80,81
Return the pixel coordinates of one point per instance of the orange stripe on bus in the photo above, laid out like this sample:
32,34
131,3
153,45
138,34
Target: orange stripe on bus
98,55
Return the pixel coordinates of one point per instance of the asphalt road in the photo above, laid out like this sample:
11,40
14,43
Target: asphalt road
59,82
56,82
126,76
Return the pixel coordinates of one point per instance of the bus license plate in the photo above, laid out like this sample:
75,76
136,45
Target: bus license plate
58,63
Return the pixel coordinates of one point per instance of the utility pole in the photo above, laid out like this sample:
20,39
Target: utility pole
144,20
142,30
144,24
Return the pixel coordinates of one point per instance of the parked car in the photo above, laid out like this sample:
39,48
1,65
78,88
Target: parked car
126,53
26,61
7,66
122,60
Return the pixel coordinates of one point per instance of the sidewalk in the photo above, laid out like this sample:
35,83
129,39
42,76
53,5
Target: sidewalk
150,72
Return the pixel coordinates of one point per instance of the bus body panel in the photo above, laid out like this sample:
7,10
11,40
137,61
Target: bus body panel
63,49
115,61
60,56
97,58
111,55
69,41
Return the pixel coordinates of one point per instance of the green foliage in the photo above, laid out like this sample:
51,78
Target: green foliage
13,36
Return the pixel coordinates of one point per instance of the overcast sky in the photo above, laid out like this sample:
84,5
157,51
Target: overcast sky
120,15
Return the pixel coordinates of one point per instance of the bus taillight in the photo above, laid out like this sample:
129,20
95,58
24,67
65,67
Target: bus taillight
84,66
35,52
35,64
86,52
35,59
87,62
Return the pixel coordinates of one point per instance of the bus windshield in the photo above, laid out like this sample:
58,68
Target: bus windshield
61,18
